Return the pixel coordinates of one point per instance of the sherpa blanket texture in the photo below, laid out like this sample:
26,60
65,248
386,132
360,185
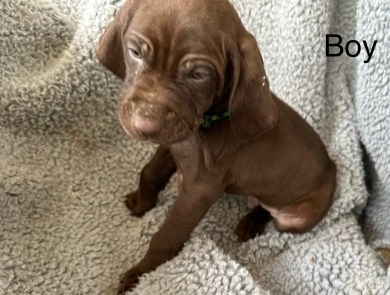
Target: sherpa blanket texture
66,164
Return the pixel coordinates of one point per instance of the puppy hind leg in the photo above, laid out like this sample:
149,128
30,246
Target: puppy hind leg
253,202
252,224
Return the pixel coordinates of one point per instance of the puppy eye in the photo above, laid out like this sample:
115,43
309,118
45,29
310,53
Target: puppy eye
135,53
199,74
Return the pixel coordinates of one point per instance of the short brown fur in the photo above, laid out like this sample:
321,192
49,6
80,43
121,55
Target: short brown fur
180,60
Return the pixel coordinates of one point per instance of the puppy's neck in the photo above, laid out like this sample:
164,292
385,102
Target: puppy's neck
220,106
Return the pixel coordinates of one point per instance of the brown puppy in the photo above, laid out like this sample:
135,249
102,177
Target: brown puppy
179,61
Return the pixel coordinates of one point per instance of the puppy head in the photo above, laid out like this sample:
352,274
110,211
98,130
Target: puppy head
180,58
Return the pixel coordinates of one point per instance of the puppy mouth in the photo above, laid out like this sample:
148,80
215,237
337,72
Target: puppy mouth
158,123
159,132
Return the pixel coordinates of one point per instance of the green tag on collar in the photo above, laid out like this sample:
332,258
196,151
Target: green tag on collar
207,119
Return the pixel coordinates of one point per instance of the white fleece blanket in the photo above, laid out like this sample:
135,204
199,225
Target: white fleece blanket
66,164
373,114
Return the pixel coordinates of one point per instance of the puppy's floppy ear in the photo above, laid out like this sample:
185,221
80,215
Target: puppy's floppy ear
109,49
252,107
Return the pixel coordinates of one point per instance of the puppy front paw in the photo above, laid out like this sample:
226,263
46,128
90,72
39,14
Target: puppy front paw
129,280
137,205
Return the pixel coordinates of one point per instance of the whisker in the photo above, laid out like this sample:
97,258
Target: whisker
199,132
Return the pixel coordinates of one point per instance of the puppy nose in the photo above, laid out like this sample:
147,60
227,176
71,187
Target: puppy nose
147,121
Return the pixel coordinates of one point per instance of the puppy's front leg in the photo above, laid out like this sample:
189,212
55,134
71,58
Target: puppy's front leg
191,205
154,177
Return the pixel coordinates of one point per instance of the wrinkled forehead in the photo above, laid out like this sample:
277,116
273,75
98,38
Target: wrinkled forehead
193,26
